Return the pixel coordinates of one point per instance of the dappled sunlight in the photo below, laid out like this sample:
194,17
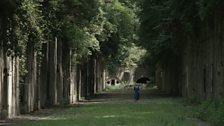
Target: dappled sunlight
134,115
108,116
144,113
153,111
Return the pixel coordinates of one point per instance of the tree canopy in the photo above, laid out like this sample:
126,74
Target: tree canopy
88,27
167,25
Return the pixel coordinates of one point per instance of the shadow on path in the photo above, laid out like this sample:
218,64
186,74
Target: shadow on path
123,95
5,123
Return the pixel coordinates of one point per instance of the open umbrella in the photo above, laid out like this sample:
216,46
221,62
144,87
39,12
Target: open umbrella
143,80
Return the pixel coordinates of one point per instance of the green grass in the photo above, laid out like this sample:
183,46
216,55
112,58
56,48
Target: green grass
151,112
212,110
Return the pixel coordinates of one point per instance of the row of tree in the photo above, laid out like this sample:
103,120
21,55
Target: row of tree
185,40
55,51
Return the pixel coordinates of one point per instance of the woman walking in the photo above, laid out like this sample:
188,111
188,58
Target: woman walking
136,92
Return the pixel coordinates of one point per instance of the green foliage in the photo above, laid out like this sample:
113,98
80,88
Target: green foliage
122,22
29,27
212,111
81,40
22,23
53,14
134,55
88,27
208,8
167,25
153,31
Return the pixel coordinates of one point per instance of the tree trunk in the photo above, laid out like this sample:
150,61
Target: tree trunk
79,82
13,84
30,79
66,73
38,89
17,84
59,72
73,78
87,78
1,78
44,75
100,75
91,77
52,89
95,81
5,88
84,81
3,71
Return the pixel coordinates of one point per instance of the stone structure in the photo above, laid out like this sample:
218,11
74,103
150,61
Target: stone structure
128,76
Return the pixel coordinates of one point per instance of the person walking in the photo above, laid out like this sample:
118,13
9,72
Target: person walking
136,92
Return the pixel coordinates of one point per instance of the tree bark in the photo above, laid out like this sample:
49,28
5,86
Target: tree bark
79,82
17,84
1,79
52,89
91,77
13,85
5,109
59,72
73,75
66,73
84,81
44,75
1,67
30,78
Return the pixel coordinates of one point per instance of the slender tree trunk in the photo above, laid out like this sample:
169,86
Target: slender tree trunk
38,83
17,84
5,88
66,73
10,87
3,71
91,77
37,105
52,89
104,79
31,78
13,84
86,77
59,73
1,78
73,82
1,67
79,82
44,75
95,80
84,81
100,75
76,88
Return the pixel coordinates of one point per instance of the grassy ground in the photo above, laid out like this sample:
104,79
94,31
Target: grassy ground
119,112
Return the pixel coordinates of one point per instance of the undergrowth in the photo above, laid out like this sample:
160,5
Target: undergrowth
212,111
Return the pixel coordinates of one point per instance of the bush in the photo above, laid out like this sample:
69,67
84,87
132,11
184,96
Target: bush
212,111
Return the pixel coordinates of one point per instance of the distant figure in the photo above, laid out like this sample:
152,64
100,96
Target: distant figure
136,92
